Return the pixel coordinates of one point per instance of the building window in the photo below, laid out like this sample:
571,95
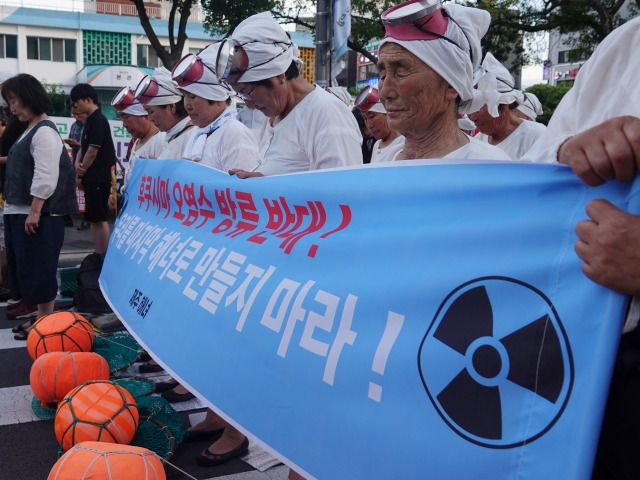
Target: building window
147,57
572,56
106,48
56,49
8,46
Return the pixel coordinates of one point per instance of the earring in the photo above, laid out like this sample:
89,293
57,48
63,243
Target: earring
282,81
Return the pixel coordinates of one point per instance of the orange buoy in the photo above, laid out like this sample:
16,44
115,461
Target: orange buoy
106,461
60,332
54,374
99,411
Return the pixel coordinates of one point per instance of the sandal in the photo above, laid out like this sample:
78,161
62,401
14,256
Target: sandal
23,327
22,334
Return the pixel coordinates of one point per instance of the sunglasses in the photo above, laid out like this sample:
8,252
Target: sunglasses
123,99
367,98
232,60
148,89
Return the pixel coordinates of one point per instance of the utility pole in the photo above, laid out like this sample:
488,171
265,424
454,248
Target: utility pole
323,43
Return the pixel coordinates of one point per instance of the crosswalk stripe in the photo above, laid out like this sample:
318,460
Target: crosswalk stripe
15,405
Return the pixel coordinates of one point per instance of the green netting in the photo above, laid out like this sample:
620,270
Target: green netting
43,412
161,410
119,349
136,386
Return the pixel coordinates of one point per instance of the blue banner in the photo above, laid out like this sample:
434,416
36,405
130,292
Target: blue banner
341,27
415,321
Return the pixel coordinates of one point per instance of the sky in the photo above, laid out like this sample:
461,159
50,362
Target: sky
531,75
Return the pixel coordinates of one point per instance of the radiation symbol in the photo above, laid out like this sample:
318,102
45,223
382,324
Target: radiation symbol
496,362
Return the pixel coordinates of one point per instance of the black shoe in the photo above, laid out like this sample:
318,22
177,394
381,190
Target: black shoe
165,386
207,458
150,368
84,226
172,397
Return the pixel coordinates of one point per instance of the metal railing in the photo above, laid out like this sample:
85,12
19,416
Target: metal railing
157,10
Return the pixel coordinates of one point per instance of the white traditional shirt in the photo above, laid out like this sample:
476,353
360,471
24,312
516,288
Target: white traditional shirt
474,150
317,133
227,144
520,141
388,153
176,139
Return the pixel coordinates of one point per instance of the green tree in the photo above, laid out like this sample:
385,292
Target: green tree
58,99
549,97
512,21
590,21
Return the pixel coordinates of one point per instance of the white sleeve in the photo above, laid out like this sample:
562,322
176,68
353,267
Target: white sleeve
46,147
336,139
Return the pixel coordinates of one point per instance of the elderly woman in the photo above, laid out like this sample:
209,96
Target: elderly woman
388,142
426,63
147,141
309,128
220,140
530,108
39,190
497,120
164,103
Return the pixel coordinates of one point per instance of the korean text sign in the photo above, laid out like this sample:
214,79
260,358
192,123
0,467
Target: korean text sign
409,321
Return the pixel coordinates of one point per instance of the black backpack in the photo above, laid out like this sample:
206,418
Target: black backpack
88,297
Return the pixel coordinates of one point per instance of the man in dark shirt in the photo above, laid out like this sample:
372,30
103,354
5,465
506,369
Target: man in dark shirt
94,161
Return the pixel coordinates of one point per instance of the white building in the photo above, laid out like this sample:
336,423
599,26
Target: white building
564,59
101,42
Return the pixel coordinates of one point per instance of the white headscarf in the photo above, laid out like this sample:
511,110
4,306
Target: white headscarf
212,89
342,93
378,108
136,109
531,106
168,92
269,48
453,63
465,123
497,85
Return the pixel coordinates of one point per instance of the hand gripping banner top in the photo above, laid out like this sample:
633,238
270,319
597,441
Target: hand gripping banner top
406,321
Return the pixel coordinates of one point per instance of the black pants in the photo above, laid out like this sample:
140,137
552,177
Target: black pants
618,455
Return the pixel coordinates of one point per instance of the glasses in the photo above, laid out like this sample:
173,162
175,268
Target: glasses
247,96
190,69
123,99
232,60
367,98
148,89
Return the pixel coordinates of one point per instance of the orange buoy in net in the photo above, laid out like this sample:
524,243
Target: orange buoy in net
54,374
107,461
98,411
60,332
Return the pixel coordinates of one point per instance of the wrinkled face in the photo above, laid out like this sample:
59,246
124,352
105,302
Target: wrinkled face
137,126
486,123
202,112
161,116
414,95
270,101
377,124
